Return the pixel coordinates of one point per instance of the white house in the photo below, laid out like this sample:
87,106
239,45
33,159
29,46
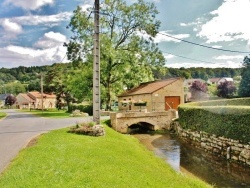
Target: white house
217,81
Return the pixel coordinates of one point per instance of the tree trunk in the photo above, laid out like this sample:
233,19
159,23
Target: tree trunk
108,98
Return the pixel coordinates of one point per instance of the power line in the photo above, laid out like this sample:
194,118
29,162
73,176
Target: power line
234,51
63,58
188,58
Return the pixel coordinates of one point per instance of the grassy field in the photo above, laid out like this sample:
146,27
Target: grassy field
50,113
61,159
2,115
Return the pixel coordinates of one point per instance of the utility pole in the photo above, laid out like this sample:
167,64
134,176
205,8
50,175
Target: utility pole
96,66
42,90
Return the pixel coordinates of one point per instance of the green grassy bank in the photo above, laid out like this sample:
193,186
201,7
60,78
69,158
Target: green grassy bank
54,113
61,159
2,115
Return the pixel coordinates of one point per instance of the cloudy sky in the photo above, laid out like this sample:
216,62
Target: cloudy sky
193,33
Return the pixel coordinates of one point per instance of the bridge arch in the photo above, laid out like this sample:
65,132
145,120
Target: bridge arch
140,127
121,121
146,123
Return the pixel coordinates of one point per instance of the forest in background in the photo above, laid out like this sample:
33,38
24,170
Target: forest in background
23,79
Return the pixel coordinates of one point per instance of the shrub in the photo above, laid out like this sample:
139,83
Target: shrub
198,86
198,90
83,108
226,89
89,128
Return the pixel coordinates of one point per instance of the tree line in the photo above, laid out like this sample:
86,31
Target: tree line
24,79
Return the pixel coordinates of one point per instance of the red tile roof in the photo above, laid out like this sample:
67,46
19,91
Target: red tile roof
149,87
28,98
36,94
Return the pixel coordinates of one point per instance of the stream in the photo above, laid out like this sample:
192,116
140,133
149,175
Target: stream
190,160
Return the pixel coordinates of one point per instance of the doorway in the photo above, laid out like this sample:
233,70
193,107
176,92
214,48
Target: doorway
172,102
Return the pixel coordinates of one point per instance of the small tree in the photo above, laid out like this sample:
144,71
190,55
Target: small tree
244,88
226,89
198,90
10,100
198,86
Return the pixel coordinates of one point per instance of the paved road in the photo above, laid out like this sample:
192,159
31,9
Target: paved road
18,128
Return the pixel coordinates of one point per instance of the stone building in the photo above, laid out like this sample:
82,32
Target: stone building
160,95
35,100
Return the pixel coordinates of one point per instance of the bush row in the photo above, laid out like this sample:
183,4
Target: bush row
83,108
228,121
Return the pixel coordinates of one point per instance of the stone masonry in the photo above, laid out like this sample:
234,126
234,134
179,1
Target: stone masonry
160,120
228,148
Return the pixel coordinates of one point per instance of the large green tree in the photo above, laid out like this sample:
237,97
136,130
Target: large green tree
56,82
244,88
128,52
13,88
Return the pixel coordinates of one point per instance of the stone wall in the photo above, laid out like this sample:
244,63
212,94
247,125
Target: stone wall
220,146
120,121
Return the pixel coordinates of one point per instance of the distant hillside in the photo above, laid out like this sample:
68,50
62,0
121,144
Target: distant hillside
28,76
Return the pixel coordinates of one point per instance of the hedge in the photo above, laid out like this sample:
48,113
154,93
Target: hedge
230,121
83,108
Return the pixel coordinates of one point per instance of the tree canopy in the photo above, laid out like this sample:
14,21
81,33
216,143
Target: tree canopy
226,89
244,88
10,100
128,52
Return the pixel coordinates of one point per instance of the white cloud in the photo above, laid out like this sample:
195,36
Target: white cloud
86,7
216,46
183,24
33,20
11,29
29,4
51,39
186,64
232,64
226,57
14,56
230,22
168,56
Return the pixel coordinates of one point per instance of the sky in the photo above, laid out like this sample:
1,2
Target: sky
193,33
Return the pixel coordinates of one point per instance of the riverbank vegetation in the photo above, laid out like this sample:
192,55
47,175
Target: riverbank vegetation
62,159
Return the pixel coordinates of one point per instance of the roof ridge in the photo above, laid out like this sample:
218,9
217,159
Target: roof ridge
143,87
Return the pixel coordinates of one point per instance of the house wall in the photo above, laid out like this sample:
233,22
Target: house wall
20,100
174,89
127,103
36,102
1,103
47,103
155,101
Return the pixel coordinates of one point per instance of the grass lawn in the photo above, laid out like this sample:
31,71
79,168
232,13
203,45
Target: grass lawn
2,115
50,113
61,159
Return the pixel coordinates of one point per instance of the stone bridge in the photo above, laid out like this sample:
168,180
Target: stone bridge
121,121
